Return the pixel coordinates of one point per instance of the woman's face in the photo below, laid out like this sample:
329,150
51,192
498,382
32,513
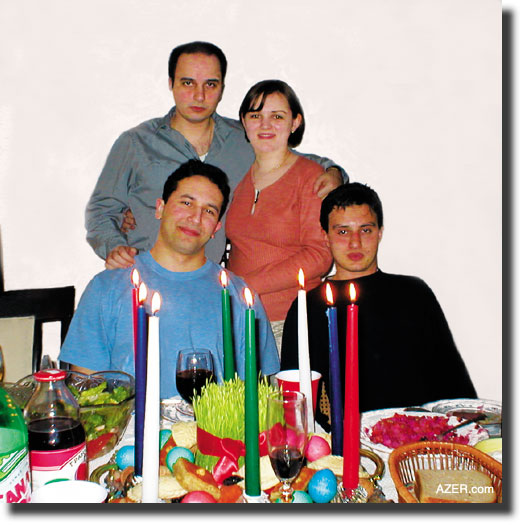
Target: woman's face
269,129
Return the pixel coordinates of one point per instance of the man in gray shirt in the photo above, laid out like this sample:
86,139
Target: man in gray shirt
143,157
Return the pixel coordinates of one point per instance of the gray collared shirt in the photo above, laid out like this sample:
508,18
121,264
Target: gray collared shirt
135,172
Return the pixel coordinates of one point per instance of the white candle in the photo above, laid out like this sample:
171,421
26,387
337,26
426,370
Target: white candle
151,449
303,351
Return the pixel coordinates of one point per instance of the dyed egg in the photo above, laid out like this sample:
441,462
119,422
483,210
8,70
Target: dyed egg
177,453
125,457
317,448
300,496
198,496
323,486
165,434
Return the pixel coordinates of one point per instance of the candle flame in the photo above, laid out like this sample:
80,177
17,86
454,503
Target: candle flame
352,292
248,297
156,302
223,278
301,279
135,278
328,291
142,293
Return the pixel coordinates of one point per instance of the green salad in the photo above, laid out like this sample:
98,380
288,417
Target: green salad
99,420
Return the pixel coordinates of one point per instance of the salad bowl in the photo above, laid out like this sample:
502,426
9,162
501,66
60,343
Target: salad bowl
106,401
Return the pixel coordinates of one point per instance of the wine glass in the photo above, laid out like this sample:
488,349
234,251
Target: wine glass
2,366
287,437
194,367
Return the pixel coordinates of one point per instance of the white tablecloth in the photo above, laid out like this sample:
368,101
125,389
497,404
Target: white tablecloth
127,438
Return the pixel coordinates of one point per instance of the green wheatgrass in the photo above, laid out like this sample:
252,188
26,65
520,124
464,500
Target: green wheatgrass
220,410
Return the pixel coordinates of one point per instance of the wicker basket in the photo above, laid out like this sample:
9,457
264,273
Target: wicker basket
405,460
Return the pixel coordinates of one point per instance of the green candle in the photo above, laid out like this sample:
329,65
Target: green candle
252,448
228,358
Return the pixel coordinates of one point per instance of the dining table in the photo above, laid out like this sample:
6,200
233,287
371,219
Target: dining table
170,414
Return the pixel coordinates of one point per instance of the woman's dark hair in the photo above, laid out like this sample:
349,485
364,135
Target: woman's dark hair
350,194
267,87
190,48
192,168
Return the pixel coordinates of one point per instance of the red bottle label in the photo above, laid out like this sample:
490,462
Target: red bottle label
54,465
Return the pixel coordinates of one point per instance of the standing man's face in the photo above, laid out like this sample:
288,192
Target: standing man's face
197,86
353,239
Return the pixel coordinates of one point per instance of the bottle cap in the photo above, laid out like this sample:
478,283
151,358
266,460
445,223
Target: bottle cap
52,374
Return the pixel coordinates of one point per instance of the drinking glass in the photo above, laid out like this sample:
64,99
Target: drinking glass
286,437
194,368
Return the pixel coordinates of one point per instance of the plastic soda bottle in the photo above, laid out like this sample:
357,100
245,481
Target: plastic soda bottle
57,449
15,476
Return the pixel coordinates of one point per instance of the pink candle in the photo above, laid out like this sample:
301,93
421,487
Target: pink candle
351,420
135,278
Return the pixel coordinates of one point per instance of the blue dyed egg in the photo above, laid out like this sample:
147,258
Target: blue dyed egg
300,496
125,457
165,434
323,486
177,453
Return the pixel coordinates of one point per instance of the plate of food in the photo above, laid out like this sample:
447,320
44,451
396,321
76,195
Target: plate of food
469,408
385,430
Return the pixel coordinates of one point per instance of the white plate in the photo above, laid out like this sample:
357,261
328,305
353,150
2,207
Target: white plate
175,409
369,419
481,405
492,409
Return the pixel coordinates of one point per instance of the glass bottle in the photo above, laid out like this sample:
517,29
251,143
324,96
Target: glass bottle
15,476
57,449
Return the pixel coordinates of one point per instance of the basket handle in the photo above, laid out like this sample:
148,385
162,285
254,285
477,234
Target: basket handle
380,465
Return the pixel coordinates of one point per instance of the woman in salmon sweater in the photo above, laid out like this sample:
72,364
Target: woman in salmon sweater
273,221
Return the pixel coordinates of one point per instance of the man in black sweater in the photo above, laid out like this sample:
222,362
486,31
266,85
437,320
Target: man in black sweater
407,355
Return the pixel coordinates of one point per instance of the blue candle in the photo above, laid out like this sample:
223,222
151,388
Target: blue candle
140,380
334,377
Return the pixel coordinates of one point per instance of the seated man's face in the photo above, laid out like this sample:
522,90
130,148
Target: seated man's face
189,218
353,239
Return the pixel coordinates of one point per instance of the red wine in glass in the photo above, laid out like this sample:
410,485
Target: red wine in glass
286,462
190,382
194,367
286,437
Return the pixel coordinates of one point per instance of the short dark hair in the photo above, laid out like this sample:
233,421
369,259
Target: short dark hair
266,88
192,168
350,194
190,48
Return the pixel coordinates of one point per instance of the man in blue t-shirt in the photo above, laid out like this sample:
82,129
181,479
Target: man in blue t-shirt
100,336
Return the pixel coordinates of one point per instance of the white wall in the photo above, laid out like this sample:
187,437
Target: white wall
405,94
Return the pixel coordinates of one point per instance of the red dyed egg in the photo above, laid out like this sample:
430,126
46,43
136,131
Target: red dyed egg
317,447
198,496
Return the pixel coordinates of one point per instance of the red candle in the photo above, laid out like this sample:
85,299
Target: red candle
135,278
351,420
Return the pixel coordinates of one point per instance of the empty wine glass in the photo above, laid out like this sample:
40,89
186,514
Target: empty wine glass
194,368
286,437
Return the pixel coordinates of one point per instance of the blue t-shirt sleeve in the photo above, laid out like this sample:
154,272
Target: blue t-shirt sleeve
269,361
87,343
267,351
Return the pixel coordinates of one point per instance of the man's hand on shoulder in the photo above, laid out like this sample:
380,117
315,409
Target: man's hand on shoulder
120,257
129,222
329,180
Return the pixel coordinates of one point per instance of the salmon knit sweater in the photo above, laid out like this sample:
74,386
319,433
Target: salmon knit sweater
282,235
